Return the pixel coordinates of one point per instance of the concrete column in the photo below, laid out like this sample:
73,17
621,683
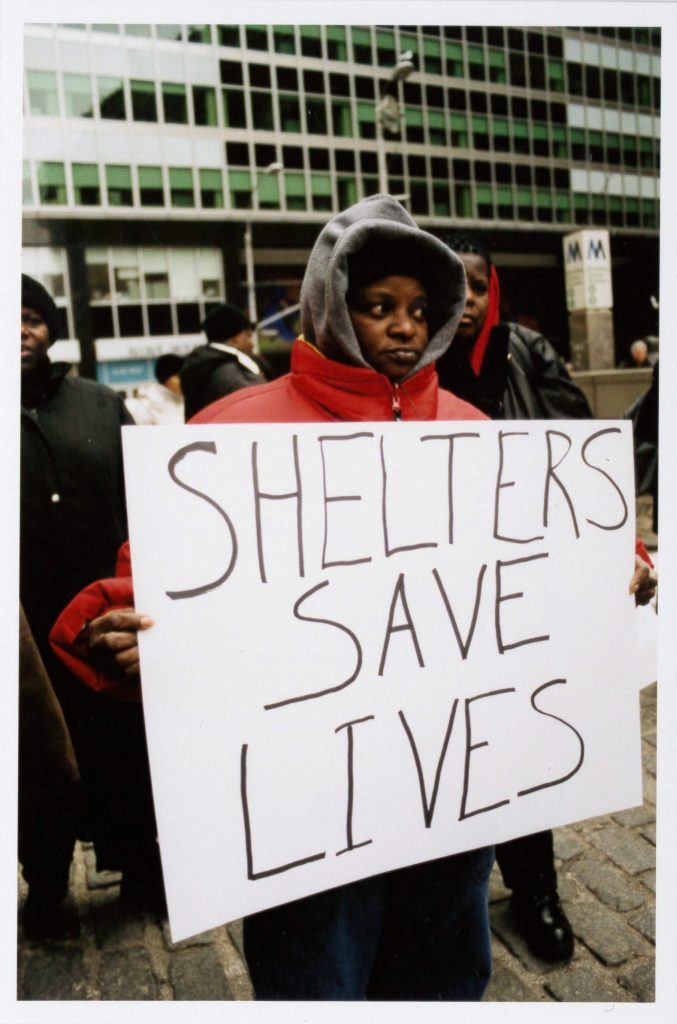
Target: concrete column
591,337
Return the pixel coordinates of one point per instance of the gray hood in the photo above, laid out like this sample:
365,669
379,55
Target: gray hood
324,313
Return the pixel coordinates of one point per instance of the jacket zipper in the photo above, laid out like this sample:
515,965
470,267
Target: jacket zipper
397,408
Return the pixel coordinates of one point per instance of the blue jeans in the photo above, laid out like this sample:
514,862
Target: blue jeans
417,933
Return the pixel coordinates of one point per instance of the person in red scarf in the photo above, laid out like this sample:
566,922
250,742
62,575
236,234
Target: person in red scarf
512,372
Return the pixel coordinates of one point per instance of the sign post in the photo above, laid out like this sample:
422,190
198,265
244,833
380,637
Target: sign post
587,273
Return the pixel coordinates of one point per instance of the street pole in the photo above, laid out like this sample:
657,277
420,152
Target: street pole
274,168
388,113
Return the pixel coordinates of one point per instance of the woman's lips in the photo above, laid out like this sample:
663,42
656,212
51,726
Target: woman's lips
404,355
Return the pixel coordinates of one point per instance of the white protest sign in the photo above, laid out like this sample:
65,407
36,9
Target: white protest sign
377,644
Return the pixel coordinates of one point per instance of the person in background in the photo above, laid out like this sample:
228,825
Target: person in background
511,372
638,357
72,521
160,401
225,364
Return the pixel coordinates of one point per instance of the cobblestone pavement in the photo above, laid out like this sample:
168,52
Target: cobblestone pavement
607,881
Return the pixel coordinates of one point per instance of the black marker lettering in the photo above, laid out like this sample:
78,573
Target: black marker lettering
259,495
408,625
202,446
429,805
500,598
500,485
252,875
551,475
463,645
607,430
548,714
351,845
450,471
324,622
469,747
328,498
384,515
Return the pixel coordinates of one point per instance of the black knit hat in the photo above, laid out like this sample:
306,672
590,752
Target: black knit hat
34,296
224,322
166,366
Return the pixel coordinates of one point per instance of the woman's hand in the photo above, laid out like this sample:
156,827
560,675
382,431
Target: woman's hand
644,582
113,643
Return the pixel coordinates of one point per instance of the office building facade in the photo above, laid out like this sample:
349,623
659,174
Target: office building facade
151,150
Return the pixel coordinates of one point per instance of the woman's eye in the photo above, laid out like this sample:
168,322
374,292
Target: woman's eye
421,312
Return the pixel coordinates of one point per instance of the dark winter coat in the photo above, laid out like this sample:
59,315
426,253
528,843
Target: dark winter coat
73,516
216,370
522,378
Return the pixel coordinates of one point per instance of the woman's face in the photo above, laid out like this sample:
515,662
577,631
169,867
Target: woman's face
390,321
477,297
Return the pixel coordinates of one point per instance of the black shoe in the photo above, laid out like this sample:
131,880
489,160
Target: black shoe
543,925
141,891
45,917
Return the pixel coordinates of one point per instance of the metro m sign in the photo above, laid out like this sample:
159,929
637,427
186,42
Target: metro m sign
587,270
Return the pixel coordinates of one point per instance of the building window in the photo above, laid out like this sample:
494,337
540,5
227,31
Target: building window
463,200
199,33
441,203
311,43
144,106
290,112
268,191
295,191
346,188
283,39
240,184
437,134
341,118
48,266
181,186
257,37
321,190
204,106
432,56
111,99
497,72
119,185
316,117
174,103
86,185
228,35
211,189
476,63
151,191
52,183
78,95
262,111
171,32
233,108
137,30
556,75
459,130
366,120
42,93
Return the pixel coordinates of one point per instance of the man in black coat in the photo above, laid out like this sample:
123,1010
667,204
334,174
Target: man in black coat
224,365
73,520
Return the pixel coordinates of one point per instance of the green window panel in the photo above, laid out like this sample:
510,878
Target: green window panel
562,201
479,124
174,103
454,51
441,201
26,185
436,119
599,203
290,112
283,39
86,184
337,44
483,194
523,197
458,122
42,93
648,205
144,107
256,37
119,185
311,31
613,140
361,36
556,70
341,120
204,105
578,136
311,41
432,56
113,29
268,191
615,204
295,191
475,55
500,127
211,189
413,116
171,32
504,195
366,112
240,186
181,186
199,33
78,95
408,41
463,200
432,48
540,130
437,128
151,188
496,59
111,98
632,205
321,191
580,201
138,30
52,182
262,111
543,199
594,138
347,192
233,108
558,133
316,117
459,130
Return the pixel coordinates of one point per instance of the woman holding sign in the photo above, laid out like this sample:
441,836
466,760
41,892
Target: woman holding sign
381,301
